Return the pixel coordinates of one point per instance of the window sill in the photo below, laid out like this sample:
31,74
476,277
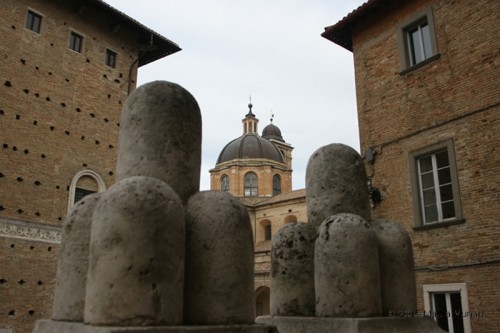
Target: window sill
420,64
437,225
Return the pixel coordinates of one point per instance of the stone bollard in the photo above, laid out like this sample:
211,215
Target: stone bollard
292,270
346,269
397,276
219,261
336,182
71,277
160,136
136,266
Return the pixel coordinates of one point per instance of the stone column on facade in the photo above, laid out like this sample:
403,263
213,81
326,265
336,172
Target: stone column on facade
336,182
292,270
219,261
71,277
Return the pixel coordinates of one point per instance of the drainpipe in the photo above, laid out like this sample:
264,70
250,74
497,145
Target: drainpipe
150,46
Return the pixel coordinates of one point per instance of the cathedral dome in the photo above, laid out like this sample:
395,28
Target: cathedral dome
250,146
272,132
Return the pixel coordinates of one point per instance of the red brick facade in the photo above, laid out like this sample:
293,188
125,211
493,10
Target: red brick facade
59,116
453,97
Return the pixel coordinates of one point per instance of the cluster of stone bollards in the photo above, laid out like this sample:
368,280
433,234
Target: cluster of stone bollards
152,253
342,271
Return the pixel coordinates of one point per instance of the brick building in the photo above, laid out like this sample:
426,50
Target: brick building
66,69
428,108
258,170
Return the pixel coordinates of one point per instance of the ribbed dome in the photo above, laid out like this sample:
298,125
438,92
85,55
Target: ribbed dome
249,146
272,132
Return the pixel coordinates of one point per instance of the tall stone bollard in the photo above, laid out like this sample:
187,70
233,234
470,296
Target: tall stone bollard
160,136
136,256
292,270
346,272
219,261
71,277
397,276
336,183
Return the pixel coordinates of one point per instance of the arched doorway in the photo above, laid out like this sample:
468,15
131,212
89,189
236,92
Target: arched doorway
262,301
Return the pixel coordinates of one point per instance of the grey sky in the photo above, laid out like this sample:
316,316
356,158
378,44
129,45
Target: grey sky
271,50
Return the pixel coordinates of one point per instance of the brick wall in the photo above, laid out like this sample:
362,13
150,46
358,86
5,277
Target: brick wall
452,98
59,115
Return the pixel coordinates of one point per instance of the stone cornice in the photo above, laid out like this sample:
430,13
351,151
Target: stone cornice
29,231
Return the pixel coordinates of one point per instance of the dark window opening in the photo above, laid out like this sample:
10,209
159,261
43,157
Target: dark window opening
75,42
33,21
80,193
110,58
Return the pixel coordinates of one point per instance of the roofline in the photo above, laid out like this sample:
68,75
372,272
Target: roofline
341,32
157,46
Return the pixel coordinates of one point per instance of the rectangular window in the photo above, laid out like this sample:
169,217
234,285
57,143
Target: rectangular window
33,21
448,305
417,41
268,232
110,58
75,42
435,185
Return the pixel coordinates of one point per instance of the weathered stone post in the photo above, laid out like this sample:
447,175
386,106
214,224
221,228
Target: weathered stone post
336,183
136,270
397,275
138,236
292,270
160,136
346,268
71,277
219,261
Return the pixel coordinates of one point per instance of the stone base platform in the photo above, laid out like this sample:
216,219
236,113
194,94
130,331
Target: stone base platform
52,326
350,325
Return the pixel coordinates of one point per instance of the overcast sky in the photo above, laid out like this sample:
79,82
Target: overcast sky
269,49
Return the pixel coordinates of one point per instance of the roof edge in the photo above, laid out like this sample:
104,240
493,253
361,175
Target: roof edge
341,32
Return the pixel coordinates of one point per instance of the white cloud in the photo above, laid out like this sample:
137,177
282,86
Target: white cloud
271,50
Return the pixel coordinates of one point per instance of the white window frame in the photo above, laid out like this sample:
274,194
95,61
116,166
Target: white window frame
404,45
417,193
82,42
429,289
38,14
101,186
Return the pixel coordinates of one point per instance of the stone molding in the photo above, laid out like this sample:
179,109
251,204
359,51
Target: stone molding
29,231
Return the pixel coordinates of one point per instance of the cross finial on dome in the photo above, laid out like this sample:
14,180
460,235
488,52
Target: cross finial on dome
250,104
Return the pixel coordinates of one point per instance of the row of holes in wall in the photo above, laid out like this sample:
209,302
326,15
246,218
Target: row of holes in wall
8,84
19,179
12,313
87,60
22,282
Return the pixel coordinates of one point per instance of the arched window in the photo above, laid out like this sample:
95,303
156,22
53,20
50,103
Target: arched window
268,232
84,183
224,183
276,185
265,231
251,185
290,219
